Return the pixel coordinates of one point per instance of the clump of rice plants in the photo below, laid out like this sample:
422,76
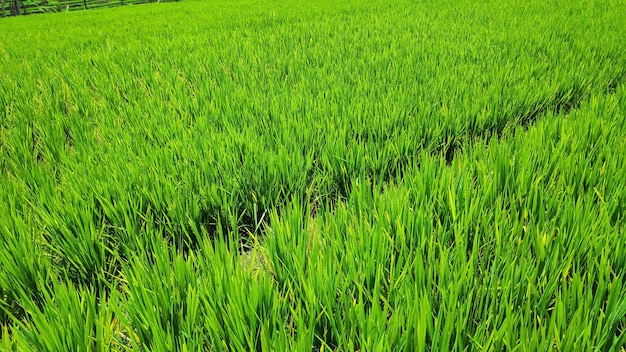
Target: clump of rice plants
322,176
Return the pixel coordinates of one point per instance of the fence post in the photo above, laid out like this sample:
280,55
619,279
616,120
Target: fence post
16,8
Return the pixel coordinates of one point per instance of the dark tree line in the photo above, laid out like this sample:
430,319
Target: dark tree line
15,7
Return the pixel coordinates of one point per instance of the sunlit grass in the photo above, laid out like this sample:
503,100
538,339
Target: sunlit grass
321,176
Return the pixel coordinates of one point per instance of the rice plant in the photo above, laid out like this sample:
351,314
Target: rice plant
252,175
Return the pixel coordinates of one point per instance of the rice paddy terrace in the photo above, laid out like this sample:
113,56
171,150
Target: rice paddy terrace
288,176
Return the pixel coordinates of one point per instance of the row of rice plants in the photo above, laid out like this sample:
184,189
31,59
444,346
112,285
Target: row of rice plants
129,128
518,244
221,121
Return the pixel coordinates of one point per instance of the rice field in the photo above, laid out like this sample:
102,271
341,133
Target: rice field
245,175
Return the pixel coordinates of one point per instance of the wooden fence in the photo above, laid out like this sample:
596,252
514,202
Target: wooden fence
28,7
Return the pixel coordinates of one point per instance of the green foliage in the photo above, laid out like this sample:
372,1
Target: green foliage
323,176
